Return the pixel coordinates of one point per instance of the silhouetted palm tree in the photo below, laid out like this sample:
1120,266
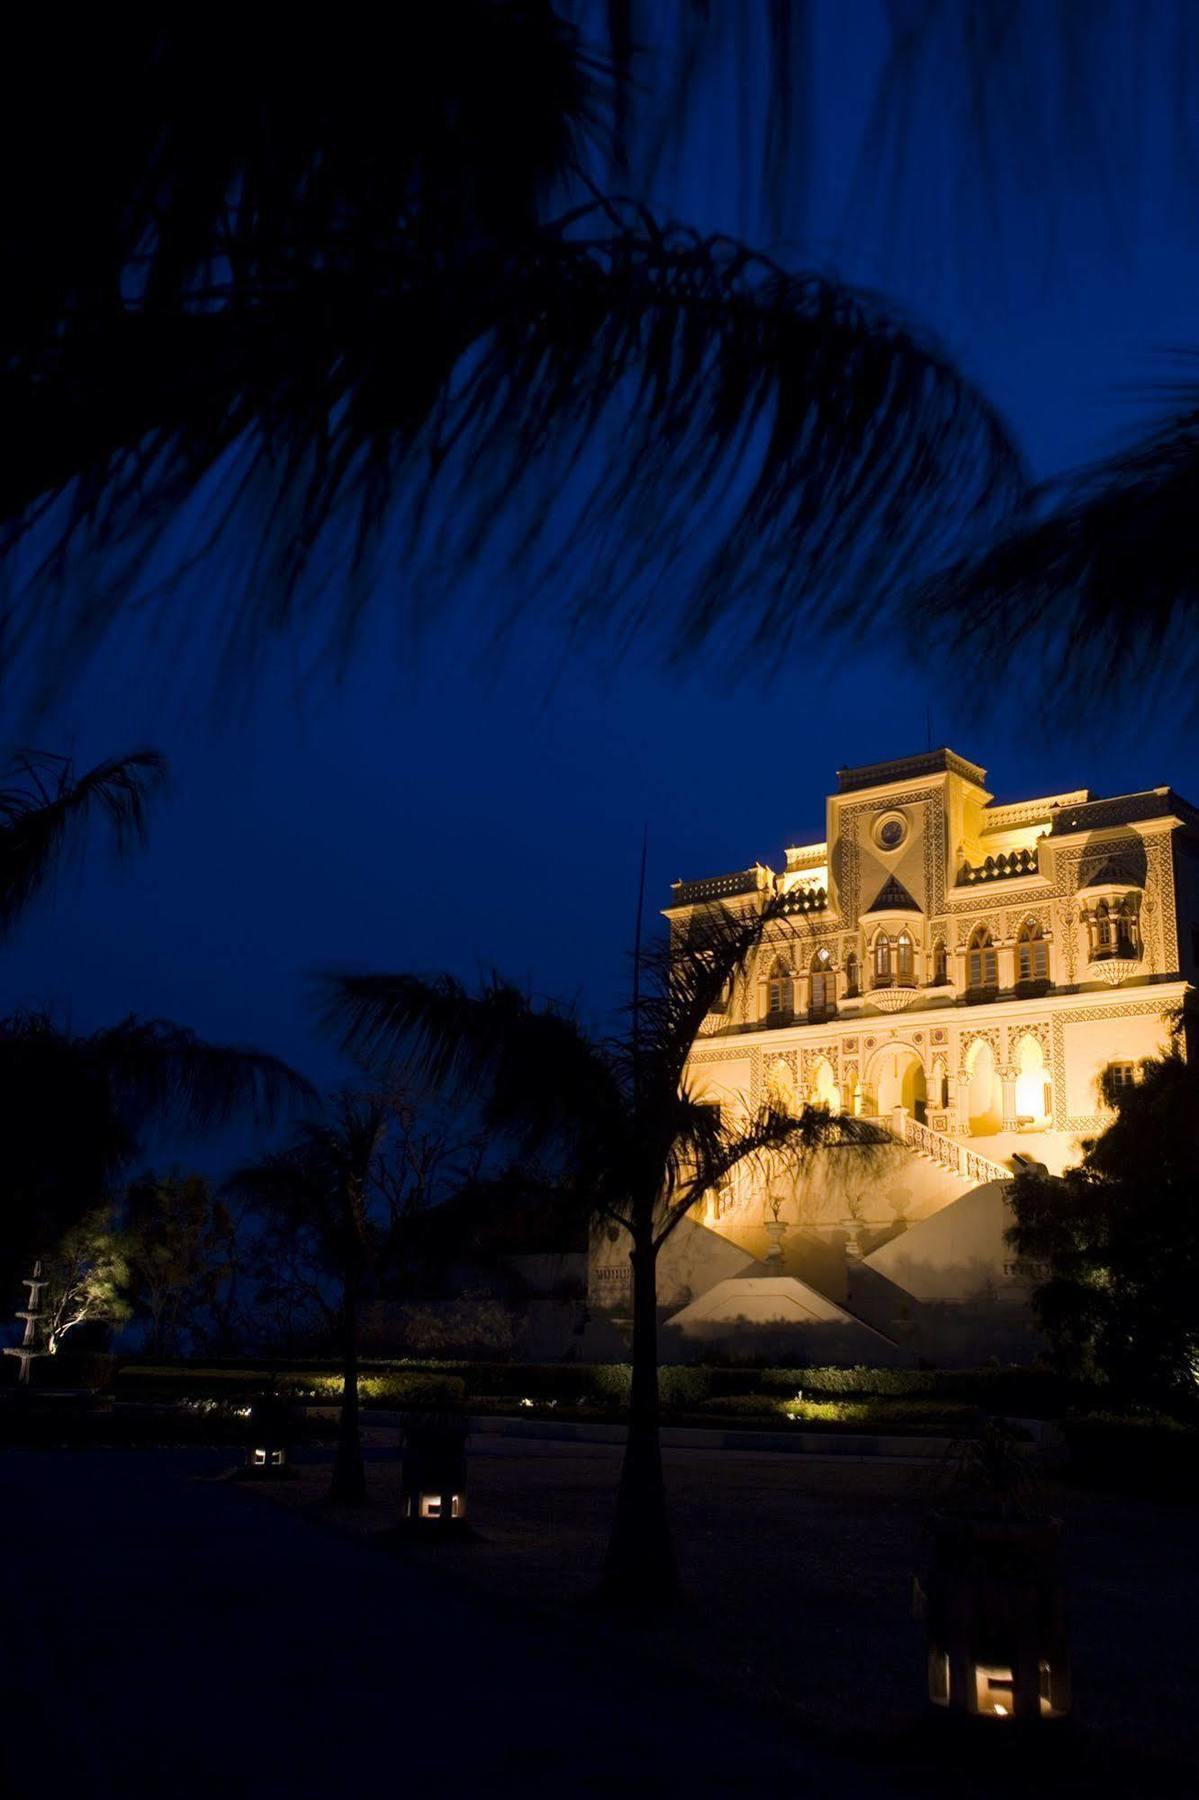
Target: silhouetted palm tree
624,1117
46,808
73,1108
338,317
319,1188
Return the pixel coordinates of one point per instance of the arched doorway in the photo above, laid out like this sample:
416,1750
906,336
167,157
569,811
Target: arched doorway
780,1087
984,1097
822,1087
1034,1097
899,1081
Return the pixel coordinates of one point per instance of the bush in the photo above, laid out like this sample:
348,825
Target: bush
1031,1392
935,1416
1134,1452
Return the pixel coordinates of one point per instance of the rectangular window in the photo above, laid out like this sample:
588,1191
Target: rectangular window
1121,1074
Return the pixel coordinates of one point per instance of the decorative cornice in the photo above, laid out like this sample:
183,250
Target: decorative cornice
909,768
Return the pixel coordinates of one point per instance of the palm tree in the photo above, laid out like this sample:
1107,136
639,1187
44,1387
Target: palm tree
1099,570
45,808
628,1125
73,1108
373,316
319,1188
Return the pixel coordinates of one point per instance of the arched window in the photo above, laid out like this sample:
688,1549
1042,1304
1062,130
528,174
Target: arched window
820,1002
940,964
1032,953
882,960
778,992
852,975
905,968
1128,929
982,964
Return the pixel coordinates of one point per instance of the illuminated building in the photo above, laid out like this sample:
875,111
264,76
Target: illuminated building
962,971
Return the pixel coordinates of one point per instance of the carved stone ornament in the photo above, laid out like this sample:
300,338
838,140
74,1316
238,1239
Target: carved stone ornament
893,999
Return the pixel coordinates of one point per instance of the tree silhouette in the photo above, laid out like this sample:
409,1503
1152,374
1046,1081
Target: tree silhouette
620,1112
319,1188
73,1108
46,809
1114,1243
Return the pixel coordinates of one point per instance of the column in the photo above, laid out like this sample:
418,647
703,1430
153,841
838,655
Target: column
961,1125
1007,1081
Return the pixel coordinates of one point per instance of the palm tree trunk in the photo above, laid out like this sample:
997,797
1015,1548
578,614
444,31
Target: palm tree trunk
640,1571
349,1477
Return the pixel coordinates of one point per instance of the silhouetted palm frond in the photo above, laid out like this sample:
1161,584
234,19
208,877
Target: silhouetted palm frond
1103,573
532,1070
44,804
332,341
158,1070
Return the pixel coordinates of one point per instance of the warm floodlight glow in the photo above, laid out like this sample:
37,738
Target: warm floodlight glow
432,1506
994,1689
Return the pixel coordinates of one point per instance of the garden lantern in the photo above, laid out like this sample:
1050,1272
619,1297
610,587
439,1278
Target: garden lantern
997,1642
269,1437
434,1473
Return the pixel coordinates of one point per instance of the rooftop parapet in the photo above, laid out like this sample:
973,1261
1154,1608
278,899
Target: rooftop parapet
909,768
721,887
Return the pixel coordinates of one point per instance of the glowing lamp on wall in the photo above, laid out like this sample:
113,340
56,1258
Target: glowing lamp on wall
433,1478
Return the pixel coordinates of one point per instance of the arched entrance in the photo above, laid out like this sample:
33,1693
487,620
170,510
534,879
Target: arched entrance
1034,1099
780,1087
822,1087
984,1096
898,1080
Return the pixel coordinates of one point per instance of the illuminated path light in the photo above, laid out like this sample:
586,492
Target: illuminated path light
997,1640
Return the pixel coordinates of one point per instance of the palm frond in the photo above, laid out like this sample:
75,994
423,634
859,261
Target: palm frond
159,1070
685,976
1102,572
602,404
531,1069
45,806
772,1135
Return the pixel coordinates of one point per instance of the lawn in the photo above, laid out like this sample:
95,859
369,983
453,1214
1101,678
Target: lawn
799,1572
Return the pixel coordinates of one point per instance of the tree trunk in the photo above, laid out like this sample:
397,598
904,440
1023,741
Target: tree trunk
349,1477
640,1572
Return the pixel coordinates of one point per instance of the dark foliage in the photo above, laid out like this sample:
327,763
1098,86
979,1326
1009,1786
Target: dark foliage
337,318
1115,1243
1103,568
46,807
73,1107
624,1123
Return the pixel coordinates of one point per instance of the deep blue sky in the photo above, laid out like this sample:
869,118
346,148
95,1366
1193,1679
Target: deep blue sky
467,818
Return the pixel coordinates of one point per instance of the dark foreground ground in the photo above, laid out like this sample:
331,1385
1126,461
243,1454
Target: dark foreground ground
163,1632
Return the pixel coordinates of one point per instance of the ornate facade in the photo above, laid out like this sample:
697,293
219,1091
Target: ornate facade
956,967
964,972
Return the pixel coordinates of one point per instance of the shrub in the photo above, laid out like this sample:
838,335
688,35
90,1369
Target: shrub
1136,1452
935,1416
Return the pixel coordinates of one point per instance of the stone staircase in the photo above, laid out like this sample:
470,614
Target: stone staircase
965,1167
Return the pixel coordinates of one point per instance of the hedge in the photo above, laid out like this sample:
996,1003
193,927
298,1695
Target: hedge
1022,1392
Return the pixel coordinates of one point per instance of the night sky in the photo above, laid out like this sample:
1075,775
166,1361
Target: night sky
468,814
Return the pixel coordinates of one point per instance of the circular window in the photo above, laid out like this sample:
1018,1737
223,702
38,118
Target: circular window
891,831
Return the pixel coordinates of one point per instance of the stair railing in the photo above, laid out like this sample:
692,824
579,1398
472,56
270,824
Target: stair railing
950,1153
